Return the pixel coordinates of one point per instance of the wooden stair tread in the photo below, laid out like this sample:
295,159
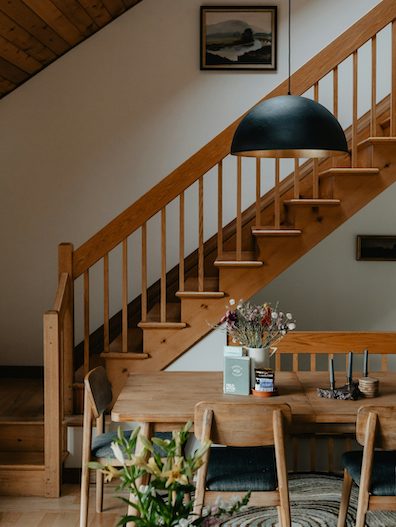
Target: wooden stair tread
135,343
211,288
153,320
377,141
229,259
310,202
21,459
350,172
272,231
77,420
21,421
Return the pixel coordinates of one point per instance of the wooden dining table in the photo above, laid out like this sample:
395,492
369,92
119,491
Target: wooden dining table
166,400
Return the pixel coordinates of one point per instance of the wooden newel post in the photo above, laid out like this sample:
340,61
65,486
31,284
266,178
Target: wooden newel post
52,405
65,264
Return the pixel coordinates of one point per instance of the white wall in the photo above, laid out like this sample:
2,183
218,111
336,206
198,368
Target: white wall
91,133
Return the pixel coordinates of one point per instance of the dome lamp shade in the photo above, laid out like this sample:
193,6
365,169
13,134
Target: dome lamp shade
289,126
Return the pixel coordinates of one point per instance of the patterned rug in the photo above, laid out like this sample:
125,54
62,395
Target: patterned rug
315,500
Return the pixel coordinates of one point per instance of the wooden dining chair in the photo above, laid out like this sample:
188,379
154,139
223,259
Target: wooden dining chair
97,399
253,458
374,471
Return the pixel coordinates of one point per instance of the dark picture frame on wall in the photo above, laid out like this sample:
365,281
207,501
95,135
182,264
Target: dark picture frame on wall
376,247
238,38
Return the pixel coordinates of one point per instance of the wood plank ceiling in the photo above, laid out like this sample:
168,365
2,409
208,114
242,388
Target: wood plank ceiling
34,33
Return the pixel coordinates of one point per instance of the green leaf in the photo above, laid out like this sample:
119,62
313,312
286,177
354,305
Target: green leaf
95,465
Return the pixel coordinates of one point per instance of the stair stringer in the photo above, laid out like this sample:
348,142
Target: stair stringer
165,346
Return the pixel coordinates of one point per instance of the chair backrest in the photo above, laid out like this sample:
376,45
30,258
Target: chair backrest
240,424
98,389
385,426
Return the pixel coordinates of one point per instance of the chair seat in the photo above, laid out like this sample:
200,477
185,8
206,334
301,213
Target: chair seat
101,444
242,469
383,480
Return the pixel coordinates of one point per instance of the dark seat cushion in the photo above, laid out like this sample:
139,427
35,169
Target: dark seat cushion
383,479
241,469
101,444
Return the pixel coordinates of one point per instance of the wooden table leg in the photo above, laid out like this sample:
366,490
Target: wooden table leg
145,430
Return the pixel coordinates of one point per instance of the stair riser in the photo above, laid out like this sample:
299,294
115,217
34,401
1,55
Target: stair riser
22,482
194,307
383,155
24,437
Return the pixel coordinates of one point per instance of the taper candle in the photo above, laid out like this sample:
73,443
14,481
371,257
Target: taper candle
331,370
350,360
365,363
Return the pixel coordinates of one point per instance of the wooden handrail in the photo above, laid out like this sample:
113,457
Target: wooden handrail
207,157
60,302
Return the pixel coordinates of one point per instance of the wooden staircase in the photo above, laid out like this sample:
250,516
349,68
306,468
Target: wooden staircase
157,324
304,222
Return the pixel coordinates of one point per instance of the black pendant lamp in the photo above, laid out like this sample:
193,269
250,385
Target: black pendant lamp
289,126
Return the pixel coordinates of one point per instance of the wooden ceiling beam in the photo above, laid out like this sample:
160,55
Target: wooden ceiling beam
114,7
14,33
18,57
78,15
52,16
97,11
131,3
33,24
34,33
11,72
6,86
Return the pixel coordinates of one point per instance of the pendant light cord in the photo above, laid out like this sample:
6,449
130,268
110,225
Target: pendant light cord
289,81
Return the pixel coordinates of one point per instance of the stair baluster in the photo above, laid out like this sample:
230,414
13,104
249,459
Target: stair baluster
315,161
296,179
200,235
220,208
277,195
125,295
239,210
393,85
181,242
86,322
144,272
106,340
163,266
354,110
335,106
373,116
258,192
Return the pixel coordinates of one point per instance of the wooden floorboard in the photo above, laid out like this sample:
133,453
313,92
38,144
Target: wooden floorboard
60,512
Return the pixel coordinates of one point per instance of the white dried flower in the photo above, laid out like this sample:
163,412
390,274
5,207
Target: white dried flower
291,326
231,302
289,316
274,315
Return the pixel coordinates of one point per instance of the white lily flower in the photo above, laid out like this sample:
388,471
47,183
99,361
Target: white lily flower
118,454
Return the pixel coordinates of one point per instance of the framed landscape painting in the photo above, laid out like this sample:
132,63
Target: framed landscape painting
238,38
375,247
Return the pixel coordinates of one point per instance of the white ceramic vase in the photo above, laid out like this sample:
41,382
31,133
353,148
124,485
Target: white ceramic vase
259,359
